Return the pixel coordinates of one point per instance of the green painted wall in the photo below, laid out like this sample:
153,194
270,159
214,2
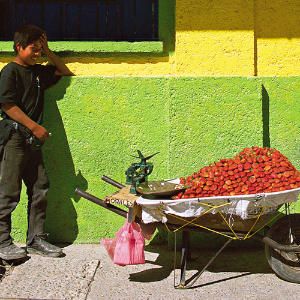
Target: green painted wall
97,123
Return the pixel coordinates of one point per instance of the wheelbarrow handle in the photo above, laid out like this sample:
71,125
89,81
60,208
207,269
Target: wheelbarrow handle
112,182
100,202
281,247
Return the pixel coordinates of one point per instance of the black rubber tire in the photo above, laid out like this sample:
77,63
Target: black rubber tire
285,265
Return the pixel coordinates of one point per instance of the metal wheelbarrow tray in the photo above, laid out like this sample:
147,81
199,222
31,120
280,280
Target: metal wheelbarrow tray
235,217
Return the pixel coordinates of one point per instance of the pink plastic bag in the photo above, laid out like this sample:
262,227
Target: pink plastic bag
130,245
127,248
109,245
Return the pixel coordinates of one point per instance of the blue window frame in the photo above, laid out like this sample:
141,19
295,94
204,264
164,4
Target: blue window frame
96,20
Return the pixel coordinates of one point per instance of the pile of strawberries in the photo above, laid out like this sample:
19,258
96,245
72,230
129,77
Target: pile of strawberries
254,170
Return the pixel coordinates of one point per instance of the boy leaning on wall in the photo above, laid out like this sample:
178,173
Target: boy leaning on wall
22,84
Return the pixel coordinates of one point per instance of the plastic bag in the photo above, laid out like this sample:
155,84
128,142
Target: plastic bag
130,244
109,245
127,248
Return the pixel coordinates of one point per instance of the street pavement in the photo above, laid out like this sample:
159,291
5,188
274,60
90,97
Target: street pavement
86,272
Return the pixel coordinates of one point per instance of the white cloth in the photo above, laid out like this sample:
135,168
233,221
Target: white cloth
245,206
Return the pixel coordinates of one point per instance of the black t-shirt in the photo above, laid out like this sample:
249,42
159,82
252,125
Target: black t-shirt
24,86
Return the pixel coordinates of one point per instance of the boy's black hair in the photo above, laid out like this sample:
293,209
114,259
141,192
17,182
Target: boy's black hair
26,35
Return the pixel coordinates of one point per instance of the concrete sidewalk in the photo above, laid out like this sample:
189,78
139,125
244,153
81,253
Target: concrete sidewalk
86,272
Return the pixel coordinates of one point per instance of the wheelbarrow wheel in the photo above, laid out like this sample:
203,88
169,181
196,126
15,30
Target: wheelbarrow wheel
285,264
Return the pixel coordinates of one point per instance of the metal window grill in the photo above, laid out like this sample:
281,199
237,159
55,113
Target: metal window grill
121,20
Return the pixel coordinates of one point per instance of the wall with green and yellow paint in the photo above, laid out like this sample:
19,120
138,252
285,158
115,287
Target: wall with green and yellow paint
199,99
208,38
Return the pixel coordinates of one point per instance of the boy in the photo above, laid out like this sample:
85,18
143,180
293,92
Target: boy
22,83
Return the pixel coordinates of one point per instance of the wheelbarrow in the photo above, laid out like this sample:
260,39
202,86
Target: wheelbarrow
266,217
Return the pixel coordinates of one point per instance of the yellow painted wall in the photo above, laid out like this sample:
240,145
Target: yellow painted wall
116,66
238,37
129,66
215,38
278,37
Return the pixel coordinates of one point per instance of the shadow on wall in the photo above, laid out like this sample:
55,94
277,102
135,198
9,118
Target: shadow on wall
115,58
269,19
61,220
265,117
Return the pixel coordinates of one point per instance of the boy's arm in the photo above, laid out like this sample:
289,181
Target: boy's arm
61,68
15,113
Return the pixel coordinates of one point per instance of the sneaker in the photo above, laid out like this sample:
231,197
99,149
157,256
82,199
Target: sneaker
42,247
12,252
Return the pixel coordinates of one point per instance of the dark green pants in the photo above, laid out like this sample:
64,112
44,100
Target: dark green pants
18,161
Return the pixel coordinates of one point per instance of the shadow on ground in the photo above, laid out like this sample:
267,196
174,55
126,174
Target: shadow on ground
2,270
231,260
6,267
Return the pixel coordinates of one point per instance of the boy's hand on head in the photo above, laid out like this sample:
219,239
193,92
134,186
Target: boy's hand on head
40,132
61,68
44,43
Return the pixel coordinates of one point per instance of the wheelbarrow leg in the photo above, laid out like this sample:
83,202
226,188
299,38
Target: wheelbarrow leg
185,256
195,277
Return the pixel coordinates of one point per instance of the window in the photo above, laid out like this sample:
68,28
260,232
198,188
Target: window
80,20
